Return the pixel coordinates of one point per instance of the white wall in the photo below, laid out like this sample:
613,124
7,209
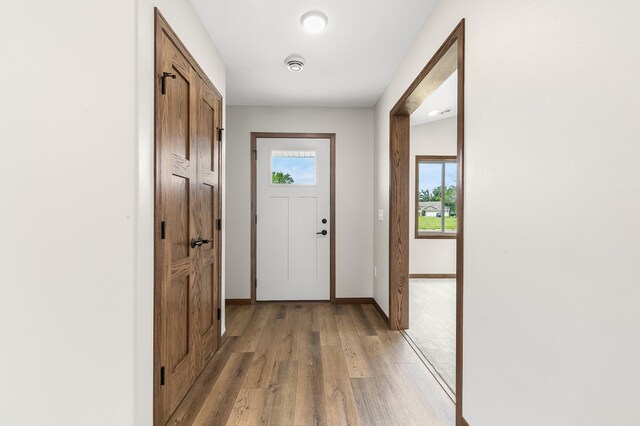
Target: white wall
76,220
67,213
354,198
551,320
183,19
430,256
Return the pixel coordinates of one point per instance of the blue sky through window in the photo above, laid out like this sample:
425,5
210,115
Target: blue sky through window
301,169
430,175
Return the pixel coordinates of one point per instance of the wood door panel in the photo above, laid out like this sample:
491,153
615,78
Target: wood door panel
179,210
207,131
181,268
187,205
207,258
206,196
178,323
207,315
178,114
178,353
181,166
208,212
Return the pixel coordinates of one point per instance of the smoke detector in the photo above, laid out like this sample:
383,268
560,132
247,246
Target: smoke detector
295,63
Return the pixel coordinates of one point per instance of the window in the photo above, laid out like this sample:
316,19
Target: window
436,197
293,167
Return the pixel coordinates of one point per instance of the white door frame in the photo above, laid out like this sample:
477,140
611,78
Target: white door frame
331,137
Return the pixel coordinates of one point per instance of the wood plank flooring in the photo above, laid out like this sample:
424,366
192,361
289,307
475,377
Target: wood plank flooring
313,364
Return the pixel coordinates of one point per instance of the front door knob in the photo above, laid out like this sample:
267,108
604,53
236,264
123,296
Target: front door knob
323,232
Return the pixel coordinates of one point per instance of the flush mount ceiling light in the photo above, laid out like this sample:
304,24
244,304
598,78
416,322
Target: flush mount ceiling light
433,113
295,63
314,22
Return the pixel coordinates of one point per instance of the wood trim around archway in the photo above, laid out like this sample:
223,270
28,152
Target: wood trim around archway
447,59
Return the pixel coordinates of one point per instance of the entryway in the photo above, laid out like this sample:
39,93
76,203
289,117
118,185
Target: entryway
433,213
292,220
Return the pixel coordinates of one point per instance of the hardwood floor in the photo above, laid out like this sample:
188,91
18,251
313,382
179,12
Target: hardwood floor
313,364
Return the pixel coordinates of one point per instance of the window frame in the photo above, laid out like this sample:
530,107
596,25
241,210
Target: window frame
433,159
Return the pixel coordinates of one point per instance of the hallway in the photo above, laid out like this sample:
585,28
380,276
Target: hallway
302,364
136,232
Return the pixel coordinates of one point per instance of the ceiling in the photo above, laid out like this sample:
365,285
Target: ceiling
444,98
349,63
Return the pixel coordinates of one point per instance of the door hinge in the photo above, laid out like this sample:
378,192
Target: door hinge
256,219
255,282
164,81
161,376
219,224
219,314
220,130
163,230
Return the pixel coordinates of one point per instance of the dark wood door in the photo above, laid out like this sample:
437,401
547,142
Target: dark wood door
188,243
207,215
176,178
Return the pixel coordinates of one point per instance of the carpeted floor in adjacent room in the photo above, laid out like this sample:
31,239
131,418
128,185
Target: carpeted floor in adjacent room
432,324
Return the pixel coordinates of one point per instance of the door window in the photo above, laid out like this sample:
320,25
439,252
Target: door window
293,167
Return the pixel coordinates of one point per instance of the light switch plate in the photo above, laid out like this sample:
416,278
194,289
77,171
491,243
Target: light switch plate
380,214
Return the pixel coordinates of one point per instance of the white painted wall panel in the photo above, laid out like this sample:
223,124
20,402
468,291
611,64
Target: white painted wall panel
67,216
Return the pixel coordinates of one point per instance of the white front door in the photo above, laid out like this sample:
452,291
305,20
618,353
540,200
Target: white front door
293,207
